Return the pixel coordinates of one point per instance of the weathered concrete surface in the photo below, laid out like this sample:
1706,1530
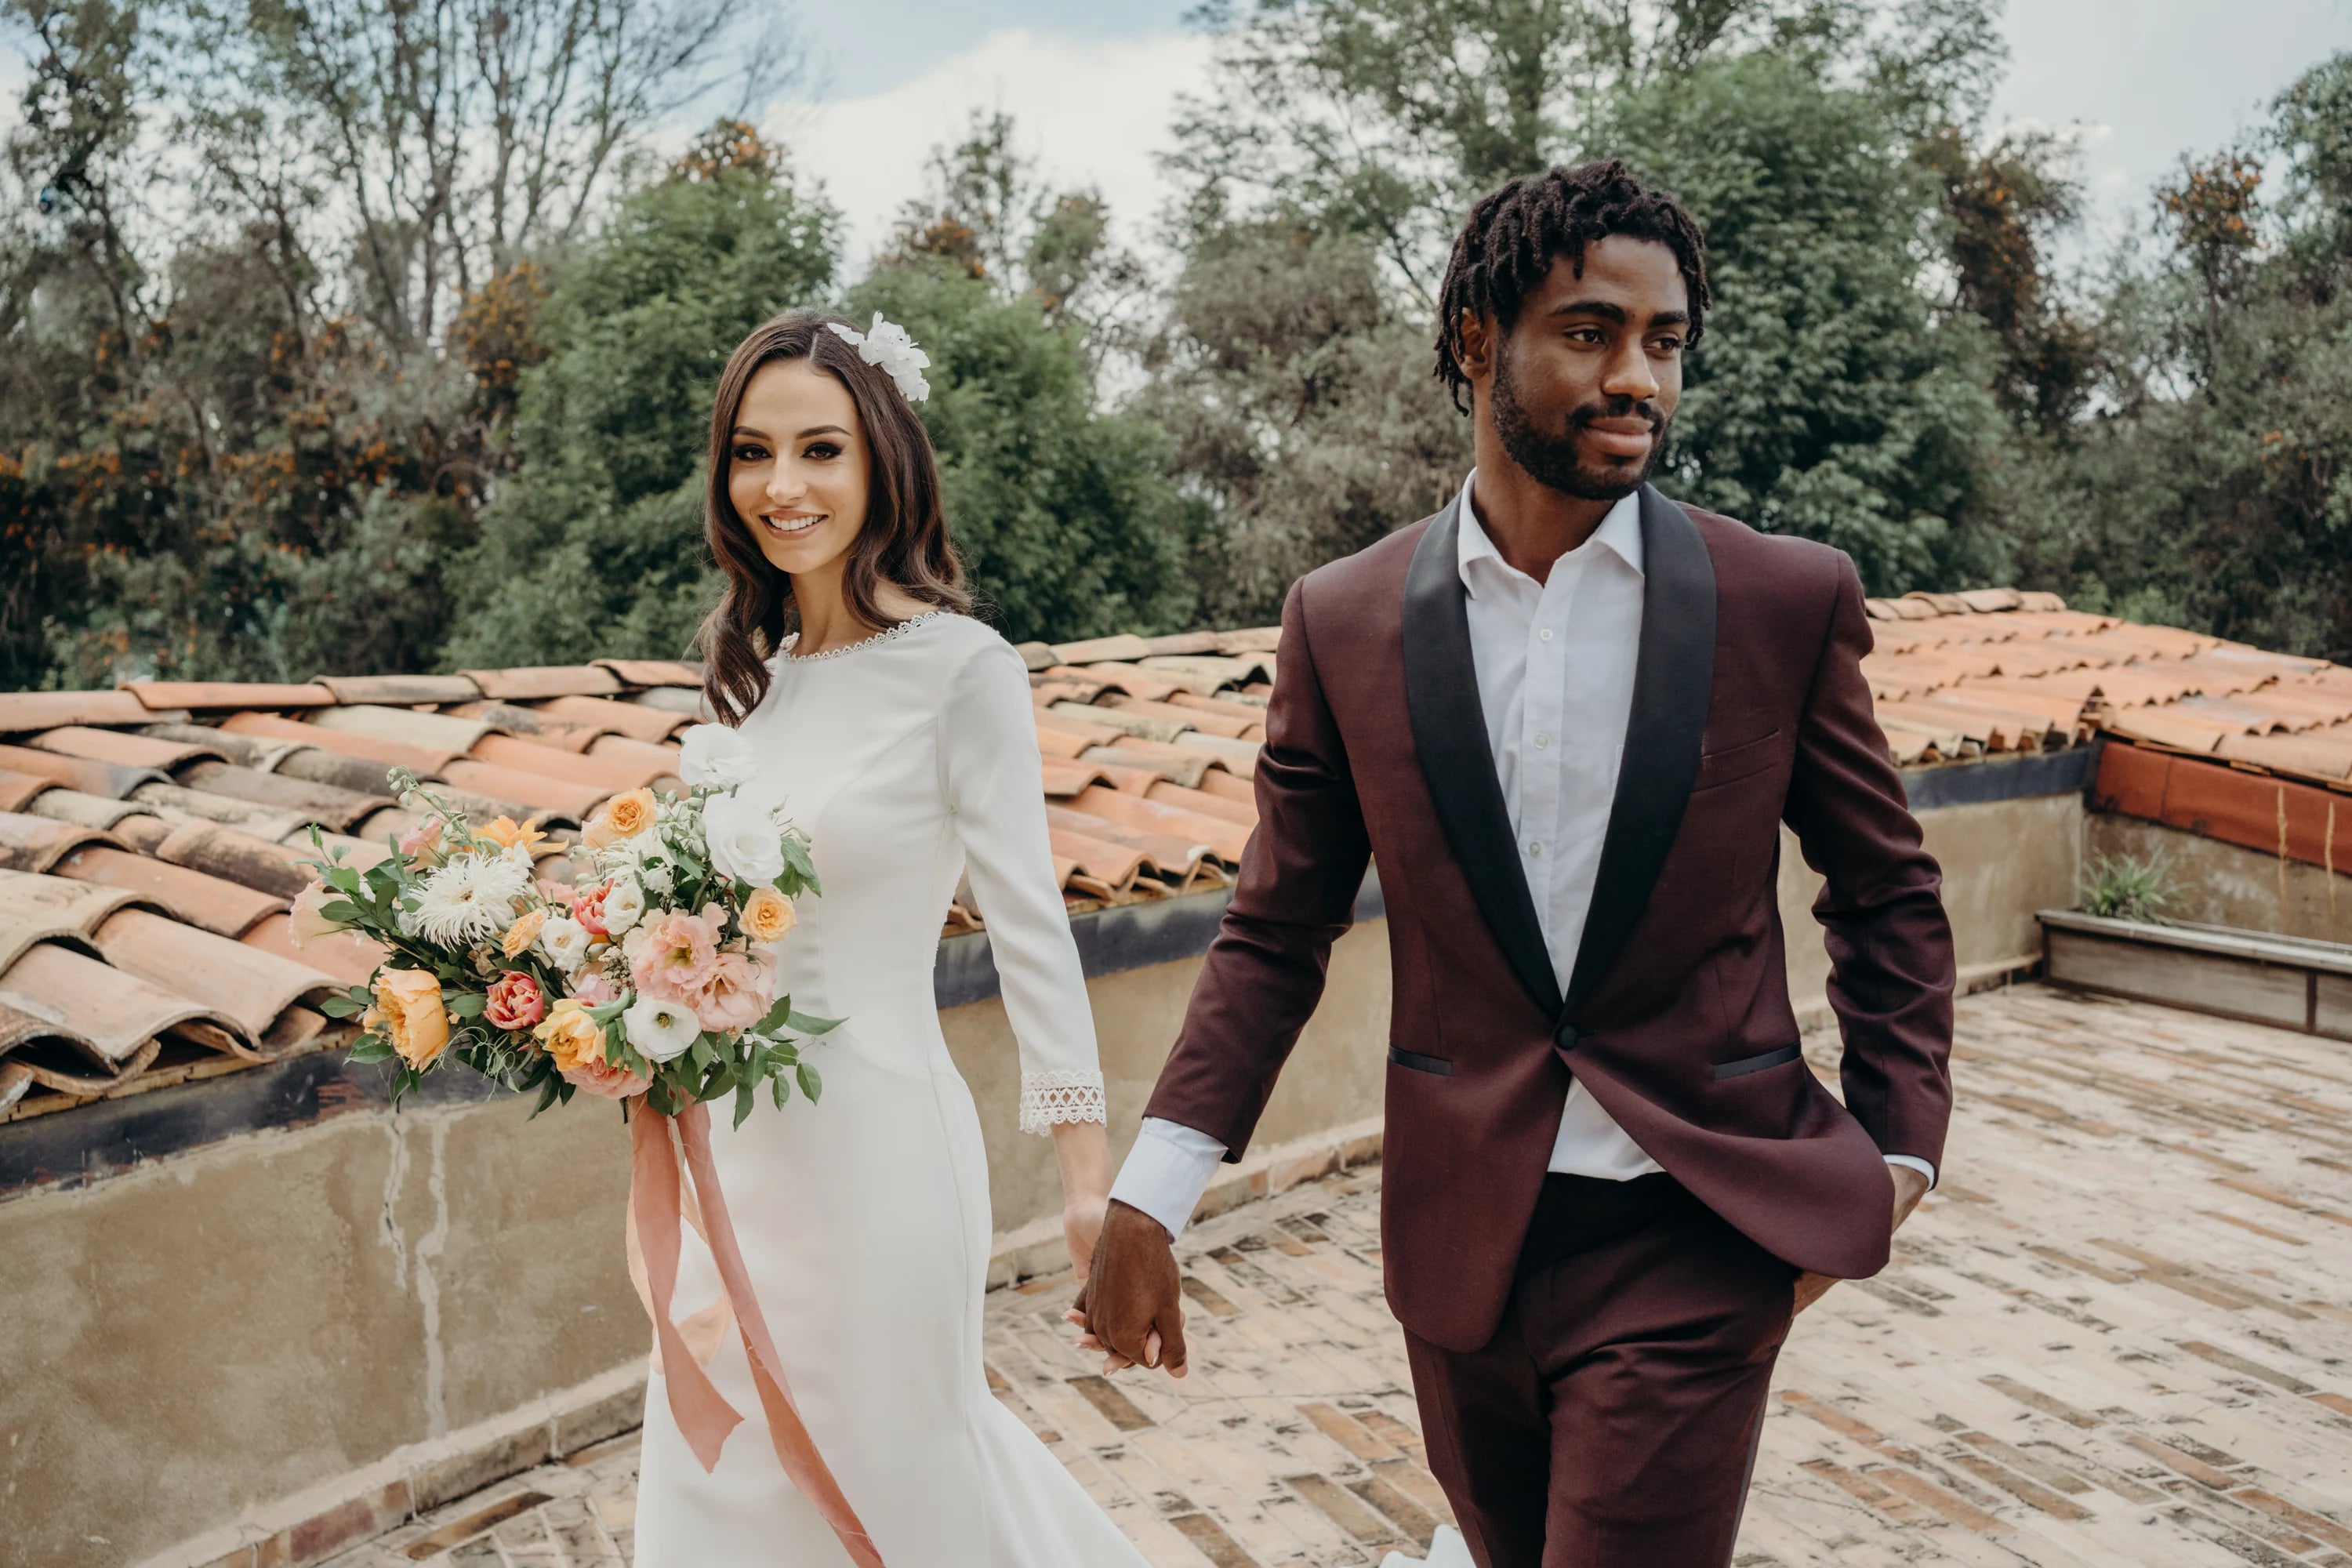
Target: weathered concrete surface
2002,860
2225,885
1334,1078
195,1338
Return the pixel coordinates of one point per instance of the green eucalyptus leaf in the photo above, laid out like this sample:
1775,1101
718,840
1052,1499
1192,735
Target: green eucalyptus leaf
744,1100
811,1084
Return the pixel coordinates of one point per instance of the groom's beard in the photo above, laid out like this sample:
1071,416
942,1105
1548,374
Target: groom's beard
1552,459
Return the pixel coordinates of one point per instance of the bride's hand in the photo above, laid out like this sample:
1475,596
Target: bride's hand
1082,1224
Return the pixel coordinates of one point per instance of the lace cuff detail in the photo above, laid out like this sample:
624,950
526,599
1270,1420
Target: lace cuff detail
1048,1098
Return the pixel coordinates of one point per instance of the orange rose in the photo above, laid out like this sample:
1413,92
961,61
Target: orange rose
571,1035
624,816
408,1004
522,934
506,832
768,915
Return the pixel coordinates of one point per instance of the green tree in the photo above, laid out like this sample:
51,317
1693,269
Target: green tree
1833,397
595,547
2211,485
1067,521
1838,394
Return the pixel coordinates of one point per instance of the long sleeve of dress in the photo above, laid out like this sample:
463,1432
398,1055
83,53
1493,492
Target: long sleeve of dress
989,768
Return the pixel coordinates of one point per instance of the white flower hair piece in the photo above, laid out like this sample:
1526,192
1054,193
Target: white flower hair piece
886,344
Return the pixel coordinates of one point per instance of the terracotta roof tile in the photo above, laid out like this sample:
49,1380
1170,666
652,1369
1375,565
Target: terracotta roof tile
540,792
530,723
1206,674
166,696
79,772
1131,679
43,909
24,711
118,1014
1037,655
1097,651
635,719
126,749
327,804
653,671
361,775
17,790
419,758
248,986
400,690
90,810
439,732
347,956
173,805
1187,768
603,771
1254,639
189,896
37,843
545,681
1183,719
691,706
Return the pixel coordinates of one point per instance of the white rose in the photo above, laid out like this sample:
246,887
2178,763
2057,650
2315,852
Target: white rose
713,756
661,1031
565,942
743,841
624,904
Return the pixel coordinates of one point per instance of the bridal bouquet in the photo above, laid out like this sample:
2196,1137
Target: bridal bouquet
654,974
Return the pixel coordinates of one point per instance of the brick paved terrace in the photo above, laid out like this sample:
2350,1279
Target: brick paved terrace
2118,1334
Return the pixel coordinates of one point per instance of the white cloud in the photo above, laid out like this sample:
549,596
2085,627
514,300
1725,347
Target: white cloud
1094,113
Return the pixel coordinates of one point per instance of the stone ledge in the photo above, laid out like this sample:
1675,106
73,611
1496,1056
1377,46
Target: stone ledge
358,1505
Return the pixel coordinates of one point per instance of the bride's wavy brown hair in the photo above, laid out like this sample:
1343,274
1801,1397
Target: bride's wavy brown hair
904,540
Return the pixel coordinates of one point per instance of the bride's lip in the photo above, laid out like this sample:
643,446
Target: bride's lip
798,523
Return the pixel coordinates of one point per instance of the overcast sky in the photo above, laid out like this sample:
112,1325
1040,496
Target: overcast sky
1092,83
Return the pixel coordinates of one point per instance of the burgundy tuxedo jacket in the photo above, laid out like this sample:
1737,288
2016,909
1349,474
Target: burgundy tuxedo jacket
1749,710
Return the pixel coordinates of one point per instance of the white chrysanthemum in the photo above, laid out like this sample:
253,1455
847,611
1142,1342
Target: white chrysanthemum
468,900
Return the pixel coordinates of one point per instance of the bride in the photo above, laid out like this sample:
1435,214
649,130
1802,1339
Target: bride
896,730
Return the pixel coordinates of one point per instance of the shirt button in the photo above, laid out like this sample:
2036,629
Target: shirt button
1542,741
1533,847
1545,634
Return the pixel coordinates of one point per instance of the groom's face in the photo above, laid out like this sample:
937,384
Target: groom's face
1582,388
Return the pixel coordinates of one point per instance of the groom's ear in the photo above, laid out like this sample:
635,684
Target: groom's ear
1475,347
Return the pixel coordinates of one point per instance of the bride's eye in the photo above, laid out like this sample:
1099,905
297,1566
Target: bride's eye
751,453
823,451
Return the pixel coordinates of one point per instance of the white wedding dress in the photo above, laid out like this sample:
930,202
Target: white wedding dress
865,1218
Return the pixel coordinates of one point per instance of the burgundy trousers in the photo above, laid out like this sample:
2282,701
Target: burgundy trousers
1613,1420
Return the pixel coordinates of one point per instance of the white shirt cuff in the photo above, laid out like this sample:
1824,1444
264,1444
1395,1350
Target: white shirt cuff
1166,1172
1916,1164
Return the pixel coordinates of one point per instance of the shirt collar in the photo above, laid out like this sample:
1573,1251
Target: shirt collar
1620,533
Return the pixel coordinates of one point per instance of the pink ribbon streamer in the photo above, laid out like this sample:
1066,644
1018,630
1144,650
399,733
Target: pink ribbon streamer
702,1412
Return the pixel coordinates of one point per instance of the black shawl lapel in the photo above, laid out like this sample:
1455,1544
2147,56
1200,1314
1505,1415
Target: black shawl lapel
1672,682
1449,733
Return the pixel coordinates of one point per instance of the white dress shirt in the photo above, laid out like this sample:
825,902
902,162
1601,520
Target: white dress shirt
1555,664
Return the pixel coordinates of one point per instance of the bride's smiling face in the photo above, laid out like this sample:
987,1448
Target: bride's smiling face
797,467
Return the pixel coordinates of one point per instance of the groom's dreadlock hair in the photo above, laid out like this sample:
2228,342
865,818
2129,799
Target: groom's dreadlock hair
1513,238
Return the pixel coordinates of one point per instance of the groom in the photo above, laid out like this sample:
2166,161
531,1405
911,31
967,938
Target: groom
1567,717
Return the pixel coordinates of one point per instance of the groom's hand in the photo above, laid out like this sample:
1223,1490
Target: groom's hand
1132,1304
1910,1186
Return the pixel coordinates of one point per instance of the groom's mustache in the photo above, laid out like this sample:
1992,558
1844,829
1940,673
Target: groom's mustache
1618,408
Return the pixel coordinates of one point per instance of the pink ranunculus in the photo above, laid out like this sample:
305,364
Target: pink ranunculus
595,988
423,841
600,1077
670,955
588,909
739,992
515,1001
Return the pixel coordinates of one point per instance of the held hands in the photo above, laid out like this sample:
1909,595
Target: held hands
1131,1306
1910,1186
